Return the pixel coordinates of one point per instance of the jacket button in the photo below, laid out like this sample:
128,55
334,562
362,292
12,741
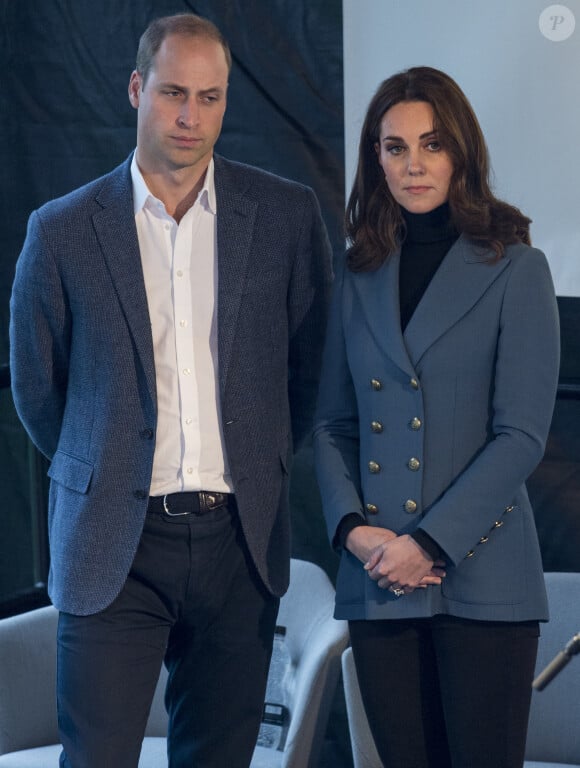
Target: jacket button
374,467
376,384
376,426
413,464
510,508
498,524
416,423
484,540
414,383
470,553
372,509
410,506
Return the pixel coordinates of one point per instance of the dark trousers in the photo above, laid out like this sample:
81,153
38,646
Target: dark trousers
446,692
193,599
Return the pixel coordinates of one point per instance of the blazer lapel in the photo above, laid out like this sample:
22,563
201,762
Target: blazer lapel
378,294
115,229
236,214
463,277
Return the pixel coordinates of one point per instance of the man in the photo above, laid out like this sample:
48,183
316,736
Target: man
165,339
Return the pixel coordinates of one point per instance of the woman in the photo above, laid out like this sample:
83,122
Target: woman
437,391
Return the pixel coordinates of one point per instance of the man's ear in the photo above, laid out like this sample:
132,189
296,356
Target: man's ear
135,82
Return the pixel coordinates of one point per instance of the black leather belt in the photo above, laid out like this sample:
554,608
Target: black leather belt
188,503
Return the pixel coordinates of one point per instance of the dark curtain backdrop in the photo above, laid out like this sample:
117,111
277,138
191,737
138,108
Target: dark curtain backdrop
65,119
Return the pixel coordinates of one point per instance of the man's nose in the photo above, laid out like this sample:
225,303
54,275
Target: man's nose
189,113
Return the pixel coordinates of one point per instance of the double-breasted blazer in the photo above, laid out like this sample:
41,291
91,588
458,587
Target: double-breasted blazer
438,428
83,369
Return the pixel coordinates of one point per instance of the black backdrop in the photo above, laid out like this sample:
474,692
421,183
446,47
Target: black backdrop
65,119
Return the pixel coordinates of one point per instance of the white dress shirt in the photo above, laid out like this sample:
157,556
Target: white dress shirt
181,278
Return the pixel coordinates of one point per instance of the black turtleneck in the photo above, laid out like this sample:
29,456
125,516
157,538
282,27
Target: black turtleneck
429,236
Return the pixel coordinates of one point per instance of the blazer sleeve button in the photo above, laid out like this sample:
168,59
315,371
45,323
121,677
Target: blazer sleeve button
376,385
372,509
413,464
410,506
376,427
374,467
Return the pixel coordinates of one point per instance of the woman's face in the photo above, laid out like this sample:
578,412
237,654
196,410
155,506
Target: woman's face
417,170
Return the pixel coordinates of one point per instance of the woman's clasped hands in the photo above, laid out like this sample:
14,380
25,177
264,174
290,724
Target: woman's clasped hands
397,563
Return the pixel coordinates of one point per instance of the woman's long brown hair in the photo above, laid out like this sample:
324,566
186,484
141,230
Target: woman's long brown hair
374,223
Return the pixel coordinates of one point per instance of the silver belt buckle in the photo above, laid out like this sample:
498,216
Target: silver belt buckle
172,514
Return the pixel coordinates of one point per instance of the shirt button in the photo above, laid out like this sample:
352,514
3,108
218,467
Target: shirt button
190,470
179,273
376,427
183,323
410,506
374,467
376,385
416,423
188,421
186,371
414,383
414,464
372,509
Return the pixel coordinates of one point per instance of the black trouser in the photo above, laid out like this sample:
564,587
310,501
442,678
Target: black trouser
446,692
194,599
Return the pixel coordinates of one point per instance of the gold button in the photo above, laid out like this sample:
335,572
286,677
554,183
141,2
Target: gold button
376,426
410,506
414,383
470,553
372,509
484,540
510,508
414,464
374,467
498,524
376,384
416,423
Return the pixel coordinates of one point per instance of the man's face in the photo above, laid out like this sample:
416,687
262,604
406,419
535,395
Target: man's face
181,105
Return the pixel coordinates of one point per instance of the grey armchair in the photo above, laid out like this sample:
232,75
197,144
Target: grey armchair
554,727
28,729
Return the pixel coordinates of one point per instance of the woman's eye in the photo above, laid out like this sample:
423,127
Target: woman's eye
395,149
434,146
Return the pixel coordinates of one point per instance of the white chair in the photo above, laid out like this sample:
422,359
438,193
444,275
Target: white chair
554,726
28,729
554,729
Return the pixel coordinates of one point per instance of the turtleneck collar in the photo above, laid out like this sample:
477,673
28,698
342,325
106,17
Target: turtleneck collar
430,227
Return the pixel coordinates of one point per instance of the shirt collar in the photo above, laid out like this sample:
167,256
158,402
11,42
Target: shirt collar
141,193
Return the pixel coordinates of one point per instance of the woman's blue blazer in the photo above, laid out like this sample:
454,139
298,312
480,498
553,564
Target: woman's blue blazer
439,428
